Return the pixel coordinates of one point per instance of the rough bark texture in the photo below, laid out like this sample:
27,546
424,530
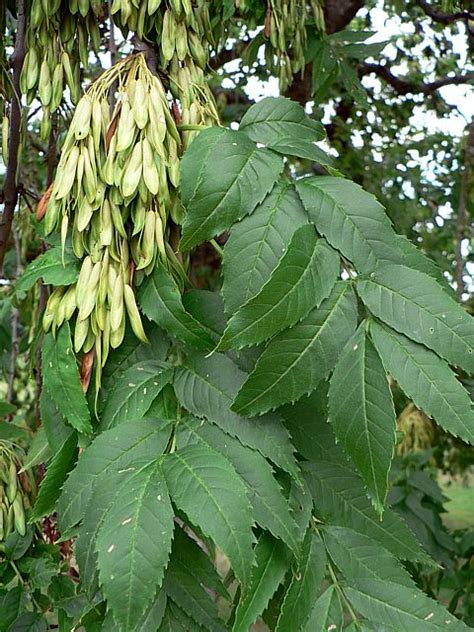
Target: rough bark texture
10,189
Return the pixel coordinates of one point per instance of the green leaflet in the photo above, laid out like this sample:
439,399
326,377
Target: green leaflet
270,507
206,386
208,308
177,620
53,423
233,177
257,242
414,258
160,299
272,563
111,451
275,120
304,277
362,414
340,499
306,150
104,492
29,622
50,267
305,584
414,304
326,614
134,391
427,380
407,609
207,488
306,421
134,543
61,379
351,219
296,360
194,161
358,557
130,352
151,619
62,462
39,450
187,553
185,589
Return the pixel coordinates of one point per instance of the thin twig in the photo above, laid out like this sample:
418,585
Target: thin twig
444,18
405,86
10,189
113,57
15,326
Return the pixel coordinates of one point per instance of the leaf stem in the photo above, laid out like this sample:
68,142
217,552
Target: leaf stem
217,248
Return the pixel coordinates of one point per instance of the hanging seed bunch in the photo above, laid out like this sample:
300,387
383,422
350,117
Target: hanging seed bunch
285,32
15,490
183,35
183,27
52,63
417,428
115,194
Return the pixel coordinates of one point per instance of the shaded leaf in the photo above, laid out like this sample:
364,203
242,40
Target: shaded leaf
206,388
49,266
61,379
134,391
111,451
59,467
305,584
326,614
270,507
406,609
359,557
340,499
134,543
272,562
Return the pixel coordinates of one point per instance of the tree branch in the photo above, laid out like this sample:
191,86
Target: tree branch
405,86
10,189
338,13
444,18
